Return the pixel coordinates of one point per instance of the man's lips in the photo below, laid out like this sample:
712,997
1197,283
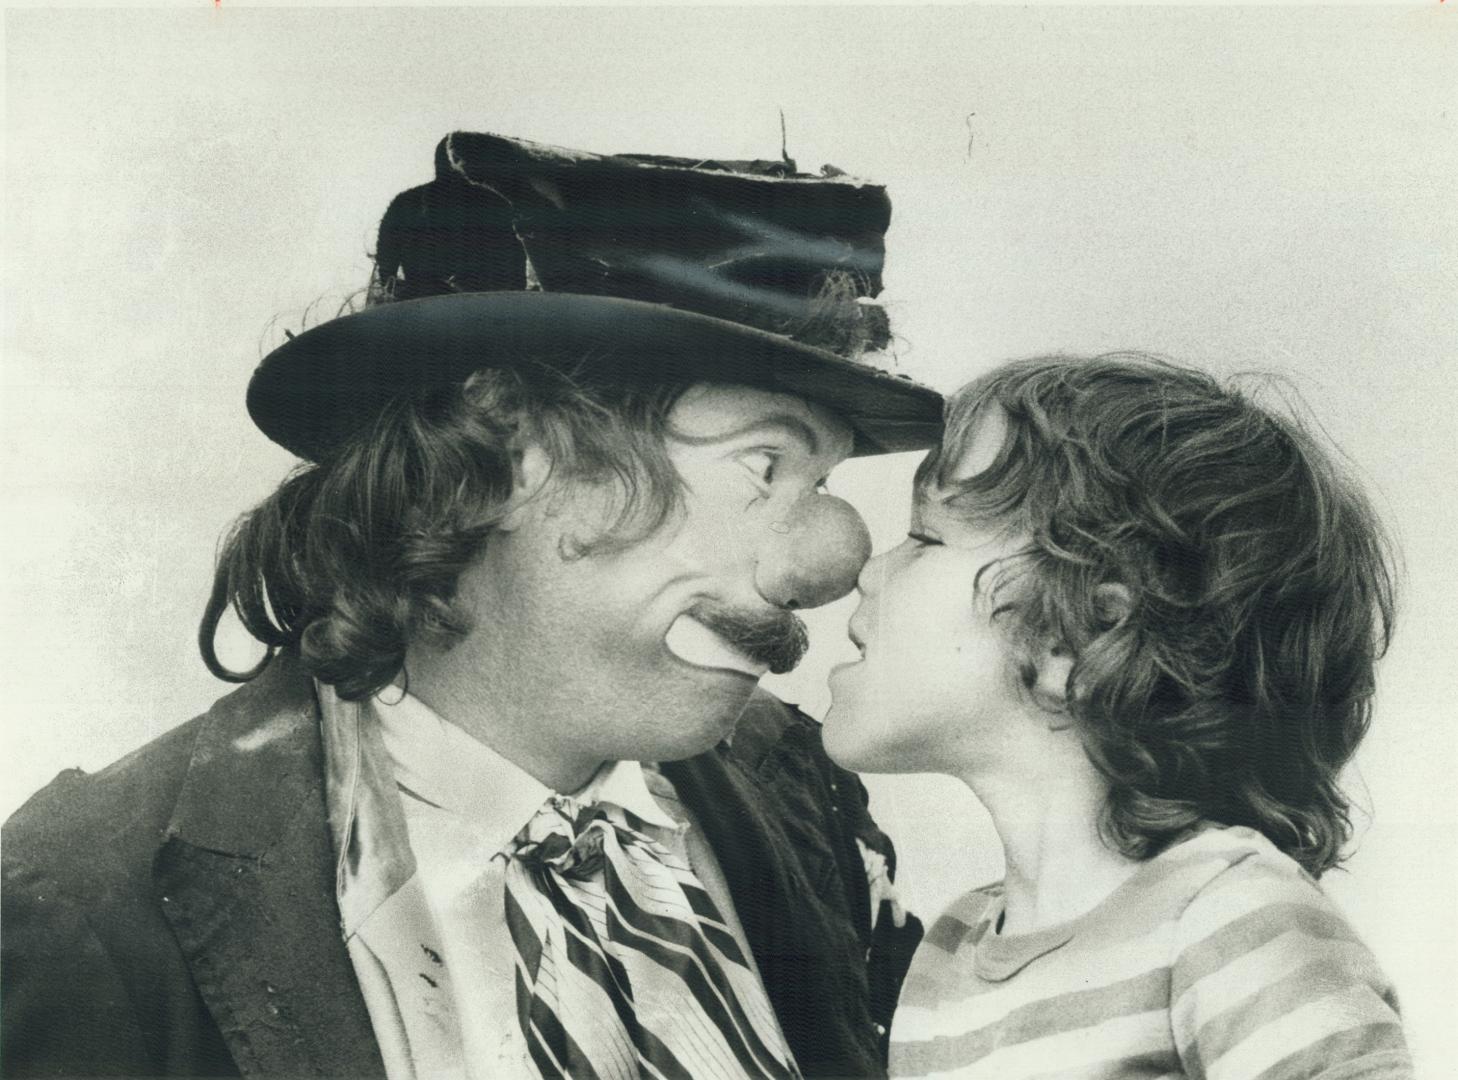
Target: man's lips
694,643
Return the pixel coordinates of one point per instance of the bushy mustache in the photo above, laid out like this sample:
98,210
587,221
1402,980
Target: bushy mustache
776,638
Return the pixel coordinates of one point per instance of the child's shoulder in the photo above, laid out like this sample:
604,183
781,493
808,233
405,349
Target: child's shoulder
1224,857
1264,966
1243,889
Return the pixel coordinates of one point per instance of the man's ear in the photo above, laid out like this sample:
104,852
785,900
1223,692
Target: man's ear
530,470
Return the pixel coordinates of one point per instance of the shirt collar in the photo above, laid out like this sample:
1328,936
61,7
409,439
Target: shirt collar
623,784
437,762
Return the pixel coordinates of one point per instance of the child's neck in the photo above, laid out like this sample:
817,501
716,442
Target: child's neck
1058,867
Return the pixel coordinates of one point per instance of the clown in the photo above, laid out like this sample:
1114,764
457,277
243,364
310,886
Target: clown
503,797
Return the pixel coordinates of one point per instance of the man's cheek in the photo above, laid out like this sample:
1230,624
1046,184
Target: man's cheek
626,650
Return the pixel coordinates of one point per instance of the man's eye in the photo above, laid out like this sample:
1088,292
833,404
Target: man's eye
762,464
923,540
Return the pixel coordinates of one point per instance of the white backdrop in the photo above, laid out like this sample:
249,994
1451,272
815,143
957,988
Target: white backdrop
1266,188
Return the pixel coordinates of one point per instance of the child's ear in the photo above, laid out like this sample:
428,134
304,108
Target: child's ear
1050,687
530,470
1113,604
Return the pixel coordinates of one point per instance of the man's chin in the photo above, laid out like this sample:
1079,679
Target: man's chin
700,733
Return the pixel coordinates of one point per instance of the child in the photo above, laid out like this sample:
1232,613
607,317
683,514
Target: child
1138,615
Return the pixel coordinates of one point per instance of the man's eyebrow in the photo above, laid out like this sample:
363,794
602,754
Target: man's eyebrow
784,421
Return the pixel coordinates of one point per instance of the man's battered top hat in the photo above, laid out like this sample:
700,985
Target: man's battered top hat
639,267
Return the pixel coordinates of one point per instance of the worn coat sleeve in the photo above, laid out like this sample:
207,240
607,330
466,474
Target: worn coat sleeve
65,1009
92,982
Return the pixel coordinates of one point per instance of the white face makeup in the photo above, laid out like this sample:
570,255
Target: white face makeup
694,643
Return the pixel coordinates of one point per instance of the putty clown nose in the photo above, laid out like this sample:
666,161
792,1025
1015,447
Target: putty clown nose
813,555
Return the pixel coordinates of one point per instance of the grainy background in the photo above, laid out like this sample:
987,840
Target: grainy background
1268,188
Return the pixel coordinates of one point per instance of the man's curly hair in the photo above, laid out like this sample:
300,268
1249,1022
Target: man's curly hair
354,557
1238,682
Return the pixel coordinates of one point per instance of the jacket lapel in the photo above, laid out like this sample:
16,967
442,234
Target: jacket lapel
807,965
246,878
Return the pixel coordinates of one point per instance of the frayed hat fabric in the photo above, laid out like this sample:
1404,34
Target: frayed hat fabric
629,267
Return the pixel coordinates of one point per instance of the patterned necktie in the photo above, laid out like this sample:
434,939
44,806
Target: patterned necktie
625,968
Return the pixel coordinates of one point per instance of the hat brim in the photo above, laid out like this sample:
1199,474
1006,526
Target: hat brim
320,387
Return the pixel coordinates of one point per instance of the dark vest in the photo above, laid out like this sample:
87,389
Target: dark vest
174,913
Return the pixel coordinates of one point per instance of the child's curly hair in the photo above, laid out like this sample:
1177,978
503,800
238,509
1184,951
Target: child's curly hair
1238,682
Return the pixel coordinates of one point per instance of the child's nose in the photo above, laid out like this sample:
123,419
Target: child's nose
813,555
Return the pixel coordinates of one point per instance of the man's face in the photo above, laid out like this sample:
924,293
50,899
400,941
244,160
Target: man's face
651,652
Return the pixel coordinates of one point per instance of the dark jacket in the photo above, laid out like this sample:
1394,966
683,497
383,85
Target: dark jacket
174,913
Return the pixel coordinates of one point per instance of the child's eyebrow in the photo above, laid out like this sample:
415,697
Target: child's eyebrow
919,502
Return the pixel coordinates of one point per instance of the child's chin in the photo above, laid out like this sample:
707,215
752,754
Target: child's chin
837,735
847,746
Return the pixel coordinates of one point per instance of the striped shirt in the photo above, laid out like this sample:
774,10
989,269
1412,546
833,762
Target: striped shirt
1219,959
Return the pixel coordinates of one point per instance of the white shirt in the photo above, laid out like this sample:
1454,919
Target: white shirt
423,815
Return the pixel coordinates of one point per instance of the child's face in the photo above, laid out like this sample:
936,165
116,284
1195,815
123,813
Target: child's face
936,689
